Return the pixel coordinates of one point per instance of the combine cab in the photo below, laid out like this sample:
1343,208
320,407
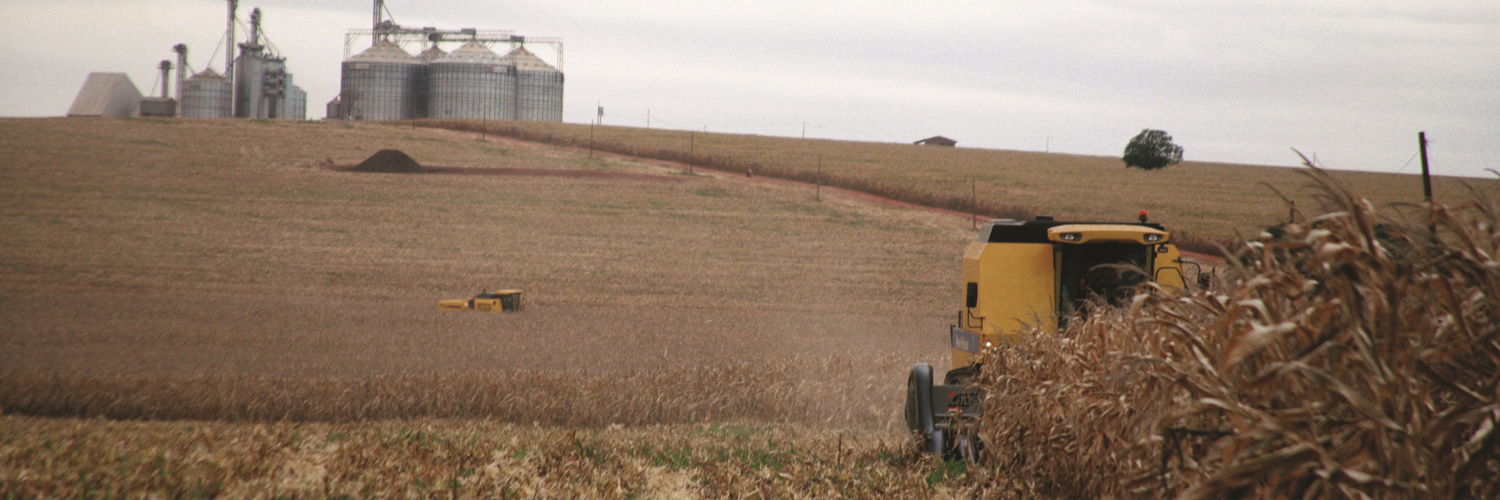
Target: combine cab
1021,277
497,301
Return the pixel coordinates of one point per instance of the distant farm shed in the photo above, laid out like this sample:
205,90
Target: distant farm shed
107,94
937,140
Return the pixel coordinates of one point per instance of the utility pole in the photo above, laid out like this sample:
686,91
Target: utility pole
648,118
1426,180
974,203
804,129
820,179
597,120
1048,148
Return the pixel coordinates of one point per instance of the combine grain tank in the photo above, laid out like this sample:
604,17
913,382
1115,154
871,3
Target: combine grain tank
539,87
471,83
381,83
206,95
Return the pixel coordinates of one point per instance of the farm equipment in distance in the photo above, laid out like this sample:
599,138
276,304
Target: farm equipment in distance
497,301
1021,277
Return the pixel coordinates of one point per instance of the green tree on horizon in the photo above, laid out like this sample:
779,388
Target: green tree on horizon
1151,150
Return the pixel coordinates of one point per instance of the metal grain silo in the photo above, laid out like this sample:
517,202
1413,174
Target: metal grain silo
294,106
539,87
207,95
381,83
424,93
432,53
470,83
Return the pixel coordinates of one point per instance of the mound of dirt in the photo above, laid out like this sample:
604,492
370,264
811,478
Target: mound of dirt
389,161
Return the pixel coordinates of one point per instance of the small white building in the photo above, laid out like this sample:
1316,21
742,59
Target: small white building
107,94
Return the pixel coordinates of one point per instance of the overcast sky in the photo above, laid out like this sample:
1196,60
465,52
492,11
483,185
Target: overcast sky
1232,80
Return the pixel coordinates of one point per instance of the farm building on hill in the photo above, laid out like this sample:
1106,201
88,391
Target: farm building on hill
107,94
937,140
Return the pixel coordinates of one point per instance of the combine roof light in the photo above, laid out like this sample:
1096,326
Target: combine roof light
1072,236
1152,238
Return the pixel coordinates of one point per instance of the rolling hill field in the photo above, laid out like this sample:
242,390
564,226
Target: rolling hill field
210,308
216,271
1212,200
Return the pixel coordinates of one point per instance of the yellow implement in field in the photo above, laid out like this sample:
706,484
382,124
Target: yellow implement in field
1023,277
497,301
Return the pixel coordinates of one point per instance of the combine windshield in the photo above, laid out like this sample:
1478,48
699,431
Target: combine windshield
1100,272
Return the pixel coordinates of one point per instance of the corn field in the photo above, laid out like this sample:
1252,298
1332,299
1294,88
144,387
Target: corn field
1344,355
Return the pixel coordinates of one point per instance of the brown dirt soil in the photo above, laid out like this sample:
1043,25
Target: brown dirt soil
140,253
530,172
391,161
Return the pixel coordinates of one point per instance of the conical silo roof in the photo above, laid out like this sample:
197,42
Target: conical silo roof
208,75
432,53
524,60
472,53
385,51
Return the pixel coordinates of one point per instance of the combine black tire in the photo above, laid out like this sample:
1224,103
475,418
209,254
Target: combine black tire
919,409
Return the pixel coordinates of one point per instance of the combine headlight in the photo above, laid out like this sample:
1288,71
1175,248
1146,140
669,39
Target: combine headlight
1152,238
1072,236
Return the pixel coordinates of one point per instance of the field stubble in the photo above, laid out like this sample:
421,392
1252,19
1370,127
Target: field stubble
249,324
1206,204
209,270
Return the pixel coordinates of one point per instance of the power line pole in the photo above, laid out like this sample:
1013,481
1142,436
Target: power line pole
1426,180
974,203
820,179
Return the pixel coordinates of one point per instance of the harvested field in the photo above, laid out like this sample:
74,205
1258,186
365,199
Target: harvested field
212,278
200,308
1208,201
155,254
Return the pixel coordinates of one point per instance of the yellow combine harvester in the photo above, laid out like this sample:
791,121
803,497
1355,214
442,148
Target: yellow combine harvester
497,301
1025,277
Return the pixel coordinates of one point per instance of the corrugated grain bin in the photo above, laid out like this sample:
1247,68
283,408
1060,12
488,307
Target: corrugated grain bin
294,106
206,95
382,83
539,87
471,83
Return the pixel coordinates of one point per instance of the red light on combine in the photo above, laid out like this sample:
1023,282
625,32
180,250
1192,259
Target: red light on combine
1143,215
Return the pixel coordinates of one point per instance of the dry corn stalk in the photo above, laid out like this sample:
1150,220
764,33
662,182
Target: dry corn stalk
1346,358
